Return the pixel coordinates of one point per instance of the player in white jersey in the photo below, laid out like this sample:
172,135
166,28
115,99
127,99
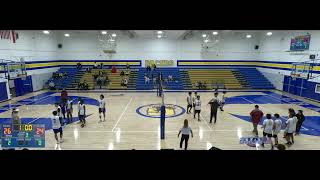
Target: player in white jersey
277,123
189,102
267,130
59,113
69,110
291,125
82,113
197,107
223,100
102,108
56,127
193,100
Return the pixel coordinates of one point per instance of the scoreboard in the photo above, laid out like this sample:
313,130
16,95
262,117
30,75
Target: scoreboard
22,135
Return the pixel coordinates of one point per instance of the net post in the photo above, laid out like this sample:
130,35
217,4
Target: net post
162,112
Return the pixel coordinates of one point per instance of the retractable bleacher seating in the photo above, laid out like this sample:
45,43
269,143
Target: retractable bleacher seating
214,78
255,79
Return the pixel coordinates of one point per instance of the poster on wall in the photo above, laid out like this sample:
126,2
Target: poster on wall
159,63
300,43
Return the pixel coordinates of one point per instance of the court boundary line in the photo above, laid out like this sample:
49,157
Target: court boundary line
123,112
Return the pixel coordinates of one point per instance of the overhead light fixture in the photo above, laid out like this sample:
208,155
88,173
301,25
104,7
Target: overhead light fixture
103,32
159,36
269,33
159,32
204,35
46,32
67,35
215,33
248,36
114,35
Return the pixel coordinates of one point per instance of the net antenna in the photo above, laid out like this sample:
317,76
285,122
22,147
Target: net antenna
108,44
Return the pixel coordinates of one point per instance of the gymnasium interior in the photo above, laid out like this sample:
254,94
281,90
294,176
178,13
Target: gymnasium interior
275,69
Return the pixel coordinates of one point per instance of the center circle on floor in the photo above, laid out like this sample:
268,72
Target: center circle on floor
153,110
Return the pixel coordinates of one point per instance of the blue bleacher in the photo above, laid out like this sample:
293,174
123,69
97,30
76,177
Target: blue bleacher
63,82
255,78
174,85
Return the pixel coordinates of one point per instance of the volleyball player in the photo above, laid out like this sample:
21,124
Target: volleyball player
59,113
193,100
69,110
189,102
197,107
267,130
82,113
102,108
276,128
291,125
56,126
223,100
186,131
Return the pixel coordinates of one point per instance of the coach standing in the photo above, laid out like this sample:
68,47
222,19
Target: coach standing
215,104
256,116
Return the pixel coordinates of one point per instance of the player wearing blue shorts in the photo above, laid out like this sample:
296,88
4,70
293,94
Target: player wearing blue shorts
56,126
102,108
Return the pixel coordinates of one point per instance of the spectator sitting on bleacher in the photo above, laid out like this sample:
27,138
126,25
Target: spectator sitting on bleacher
113,69
124,82
88,70
127,66
95,76
60,75
55,75
79,65
170,78
204,85
127,72
146,79
85,85
52,85
122,73
65,74
99,81
95,65
101,66
154,67
148,68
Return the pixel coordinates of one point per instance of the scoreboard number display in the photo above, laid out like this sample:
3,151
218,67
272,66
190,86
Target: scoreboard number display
22,135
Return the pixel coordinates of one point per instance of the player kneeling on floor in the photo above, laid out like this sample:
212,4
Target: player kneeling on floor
82,113
56,126
102,108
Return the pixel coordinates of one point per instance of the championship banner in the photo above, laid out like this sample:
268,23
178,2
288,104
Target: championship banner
300,43
159,63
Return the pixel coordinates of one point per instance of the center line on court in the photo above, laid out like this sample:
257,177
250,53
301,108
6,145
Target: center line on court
205,122
125,109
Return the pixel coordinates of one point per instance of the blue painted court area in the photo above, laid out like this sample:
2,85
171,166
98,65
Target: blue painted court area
311,125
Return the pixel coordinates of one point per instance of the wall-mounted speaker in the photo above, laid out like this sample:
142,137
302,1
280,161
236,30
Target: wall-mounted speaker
59,46
312,56
256,47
